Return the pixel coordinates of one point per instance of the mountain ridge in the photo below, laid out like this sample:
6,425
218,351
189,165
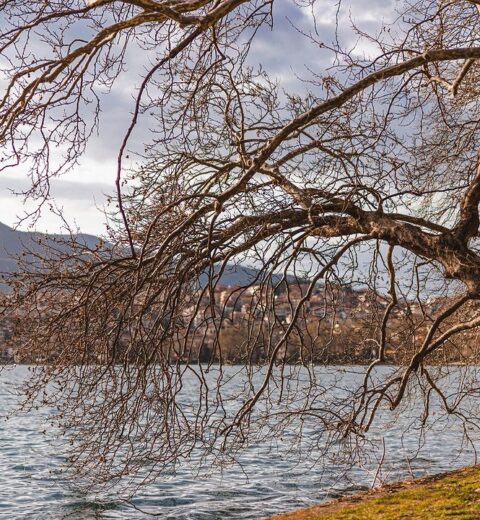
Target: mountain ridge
15,243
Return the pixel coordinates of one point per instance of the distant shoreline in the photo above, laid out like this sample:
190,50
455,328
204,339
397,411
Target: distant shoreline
223,365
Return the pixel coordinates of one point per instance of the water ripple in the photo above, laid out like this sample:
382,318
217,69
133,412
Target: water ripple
32,487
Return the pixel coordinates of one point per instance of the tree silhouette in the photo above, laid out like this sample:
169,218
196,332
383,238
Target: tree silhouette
377,159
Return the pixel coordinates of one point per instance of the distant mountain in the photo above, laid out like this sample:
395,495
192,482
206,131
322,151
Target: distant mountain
237,274
14,244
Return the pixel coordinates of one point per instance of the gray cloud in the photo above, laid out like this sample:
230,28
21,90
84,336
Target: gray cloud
284,53
60,188
286,50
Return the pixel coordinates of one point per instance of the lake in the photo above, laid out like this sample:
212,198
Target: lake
270,478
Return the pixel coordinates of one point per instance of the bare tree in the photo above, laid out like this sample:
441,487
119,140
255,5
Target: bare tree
377,159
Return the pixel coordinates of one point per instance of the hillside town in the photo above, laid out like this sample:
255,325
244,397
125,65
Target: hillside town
334,325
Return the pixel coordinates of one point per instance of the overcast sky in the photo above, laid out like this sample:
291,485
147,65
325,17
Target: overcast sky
283,52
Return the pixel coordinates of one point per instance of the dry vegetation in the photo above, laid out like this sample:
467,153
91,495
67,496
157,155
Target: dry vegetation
452,495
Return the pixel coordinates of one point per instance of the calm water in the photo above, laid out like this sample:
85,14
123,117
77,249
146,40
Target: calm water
32,486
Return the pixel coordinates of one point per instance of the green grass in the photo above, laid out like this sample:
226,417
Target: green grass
453,495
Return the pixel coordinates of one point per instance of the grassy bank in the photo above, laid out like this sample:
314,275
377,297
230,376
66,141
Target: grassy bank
451,495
